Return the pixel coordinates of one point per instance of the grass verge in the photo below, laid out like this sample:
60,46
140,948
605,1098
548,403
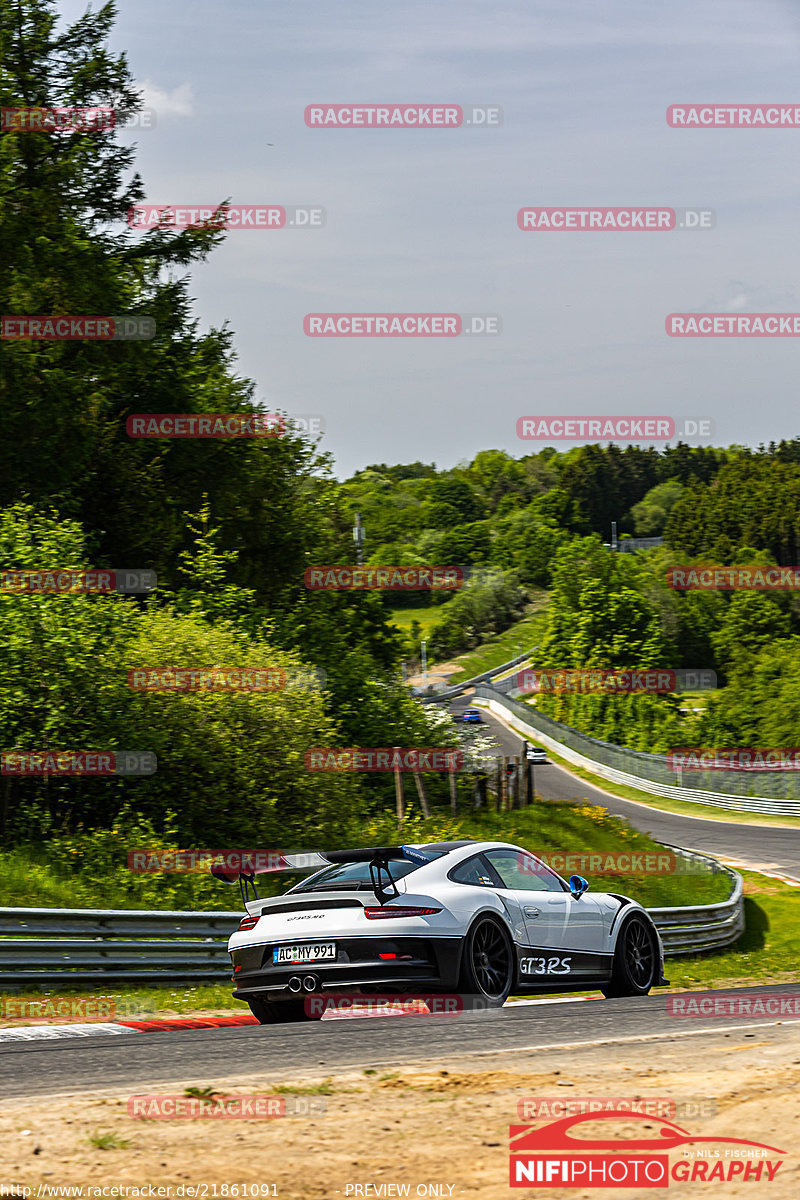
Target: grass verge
767,952
427,615
502,646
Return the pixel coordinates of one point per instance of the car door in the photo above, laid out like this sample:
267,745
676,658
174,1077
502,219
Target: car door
567,930
537,890
476,872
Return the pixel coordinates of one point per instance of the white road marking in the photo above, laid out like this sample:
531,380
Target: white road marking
32,1033
640,1037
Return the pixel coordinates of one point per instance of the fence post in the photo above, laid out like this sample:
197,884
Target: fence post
423,797
398,787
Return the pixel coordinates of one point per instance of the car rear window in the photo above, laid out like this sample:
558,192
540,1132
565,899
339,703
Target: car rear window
355,875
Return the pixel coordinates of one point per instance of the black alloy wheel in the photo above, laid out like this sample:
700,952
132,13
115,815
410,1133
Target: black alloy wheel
488,965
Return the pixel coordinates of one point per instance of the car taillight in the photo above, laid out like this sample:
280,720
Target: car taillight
397,910
249,922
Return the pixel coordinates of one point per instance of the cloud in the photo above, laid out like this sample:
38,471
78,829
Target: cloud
177,103
743,297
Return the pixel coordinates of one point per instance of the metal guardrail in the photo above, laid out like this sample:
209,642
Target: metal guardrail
46,947
647,772
486,677
40,946
693,928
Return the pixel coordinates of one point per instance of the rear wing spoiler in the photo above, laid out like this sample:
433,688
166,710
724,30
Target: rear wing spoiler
378,858
310,861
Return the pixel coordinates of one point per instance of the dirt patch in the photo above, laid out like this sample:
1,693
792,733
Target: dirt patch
437,673
441,1123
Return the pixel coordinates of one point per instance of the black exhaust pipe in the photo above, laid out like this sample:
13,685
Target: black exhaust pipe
310,983
295,983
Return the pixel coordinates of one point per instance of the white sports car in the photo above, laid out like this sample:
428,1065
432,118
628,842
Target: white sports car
481,919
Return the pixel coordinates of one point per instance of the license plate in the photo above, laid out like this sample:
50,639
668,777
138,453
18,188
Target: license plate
313,952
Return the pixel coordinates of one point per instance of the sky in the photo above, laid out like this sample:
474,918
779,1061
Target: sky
425,220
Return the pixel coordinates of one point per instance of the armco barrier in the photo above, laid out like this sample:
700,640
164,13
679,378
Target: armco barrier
47,946
646,772
693,928
449,693
62,947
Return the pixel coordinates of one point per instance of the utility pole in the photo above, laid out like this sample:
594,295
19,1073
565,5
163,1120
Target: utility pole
424,646
614,535
358,538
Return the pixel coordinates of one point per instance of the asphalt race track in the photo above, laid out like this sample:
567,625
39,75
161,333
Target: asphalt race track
98,1062
764,847
202,1056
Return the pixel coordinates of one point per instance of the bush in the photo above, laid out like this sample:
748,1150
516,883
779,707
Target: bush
479,610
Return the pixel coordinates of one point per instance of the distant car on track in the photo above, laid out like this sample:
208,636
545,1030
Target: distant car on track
472,716
534,755
475,918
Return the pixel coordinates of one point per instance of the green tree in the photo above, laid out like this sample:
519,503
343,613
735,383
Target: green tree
650,514
752,621
67,250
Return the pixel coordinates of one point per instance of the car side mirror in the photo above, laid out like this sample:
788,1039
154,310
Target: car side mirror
578,885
